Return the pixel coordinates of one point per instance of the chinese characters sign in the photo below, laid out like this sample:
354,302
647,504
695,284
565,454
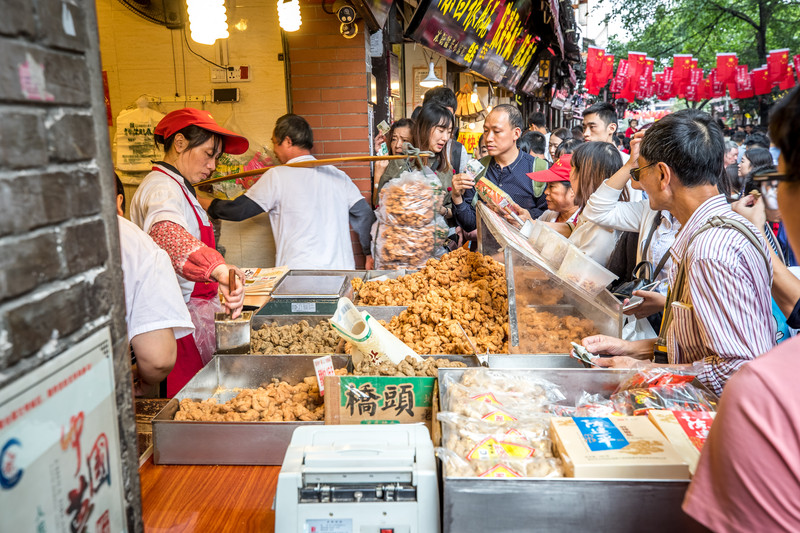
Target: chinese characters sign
600,434
59,450
378,399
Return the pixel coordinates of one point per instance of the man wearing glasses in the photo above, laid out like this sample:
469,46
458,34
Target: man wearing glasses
718,313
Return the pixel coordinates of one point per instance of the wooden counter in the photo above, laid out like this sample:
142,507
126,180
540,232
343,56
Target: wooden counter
195,498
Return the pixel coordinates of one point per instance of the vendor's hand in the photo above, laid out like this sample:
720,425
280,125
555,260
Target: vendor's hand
521,212
618,362
234,299
752,208
603,344
652,304
369,263
461,182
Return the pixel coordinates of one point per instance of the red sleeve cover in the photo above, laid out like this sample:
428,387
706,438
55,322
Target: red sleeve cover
190,258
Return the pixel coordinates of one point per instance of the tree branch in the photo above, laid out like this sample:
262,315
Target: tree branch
738,14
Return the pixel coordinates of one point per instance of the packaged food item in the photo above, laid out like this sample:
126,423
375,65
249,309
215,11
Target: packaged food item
683,397
595,405
486,394
475,439
687,431
627,447
500,467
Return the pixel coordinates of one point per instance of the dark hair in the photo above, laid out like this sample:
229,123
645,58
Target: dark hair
739,136
732,180
757,139
514,116
195,135
636,120
532,141
120,190
399,123
784,128
481,140
415,113
561,133
537,119
604,112
577,133
759,157
296,128
568,146
593,162
443,96
626,142
690,143
430,116
617,138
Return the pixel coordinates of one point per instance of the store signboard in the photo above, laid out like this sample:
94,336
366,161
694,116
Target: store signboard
487,36
60,465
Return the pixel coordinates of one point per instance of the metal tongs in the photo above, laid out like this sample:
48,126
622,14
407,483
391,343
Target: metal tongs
582,354
483,360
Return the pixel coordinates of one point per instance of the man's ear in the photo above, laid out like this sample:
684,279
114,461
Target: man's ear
613,127
517,133
288,141
666,176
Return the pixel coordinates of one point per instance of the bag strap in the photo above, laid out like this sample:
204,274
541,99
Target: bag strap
653,228
717,221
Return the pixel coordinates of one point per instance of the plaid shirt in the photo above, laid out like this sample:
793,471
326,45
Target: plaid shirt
726,319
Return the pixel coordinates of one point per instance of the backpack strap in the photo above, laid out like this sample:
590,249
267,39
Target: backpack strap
677,289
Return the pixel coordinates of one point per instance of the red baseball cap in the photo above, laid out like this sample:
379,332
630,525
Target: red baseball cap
558,172
188,116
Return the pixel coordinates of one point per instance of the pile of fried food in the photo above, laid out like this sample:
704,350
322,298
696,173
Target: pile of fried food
300,338
543,332
463,288
407,367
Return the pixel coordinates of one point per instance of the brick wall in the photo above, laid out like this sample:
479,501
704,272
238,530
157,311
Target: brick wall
60,278
330,88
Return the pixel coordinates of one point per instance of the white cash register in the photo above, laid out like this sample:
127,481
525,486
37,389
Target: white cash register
358,479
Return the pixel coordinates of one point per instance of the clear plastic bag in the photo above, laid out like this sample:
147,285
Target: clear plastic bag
403,246
681,397
500,467
478,439
480,391
409,200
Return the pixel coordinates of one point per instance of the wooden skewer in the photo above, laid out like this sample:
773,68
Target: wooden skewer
310,163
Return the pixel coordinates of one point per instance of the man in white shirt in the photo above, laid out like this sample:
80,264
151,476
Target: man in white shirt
310,209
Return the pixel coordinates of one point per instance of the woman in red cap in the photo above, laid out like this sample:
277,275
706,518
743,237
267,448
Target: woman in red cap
166,208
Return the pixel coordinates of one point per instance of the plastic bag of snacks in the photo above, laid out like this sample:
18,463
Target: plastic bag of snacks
662,388
499,467
477,439
409,226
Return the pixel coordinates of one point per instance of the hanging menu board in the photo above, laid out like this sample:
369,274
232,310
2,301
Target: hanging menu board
488,36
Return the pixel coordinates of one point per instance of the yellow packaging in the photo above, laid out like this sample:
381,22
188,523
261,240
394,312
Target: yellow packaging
686,431
628,447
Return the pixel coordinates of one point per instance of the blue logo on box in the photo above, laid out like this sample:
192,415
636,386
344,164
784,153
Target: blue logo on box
600,433
10,473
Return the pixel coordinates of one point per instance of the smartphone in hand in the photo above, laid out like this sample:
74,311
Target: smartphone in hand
633,303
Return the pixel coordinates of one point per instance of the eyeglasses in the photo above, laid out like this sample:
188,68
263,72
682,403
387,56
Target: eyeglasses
637,172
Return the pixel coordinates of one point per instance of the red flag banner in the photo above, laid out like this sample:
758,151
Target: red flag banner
669,84
777,61
594,64
743,79
717,86
726,67
608,69
788,81
761,83
681,63
733,91
797,64
695,76
636,65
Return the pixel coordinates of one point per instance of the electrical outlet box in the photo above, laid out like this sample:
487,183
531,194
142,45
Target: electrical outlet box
240,73
219,75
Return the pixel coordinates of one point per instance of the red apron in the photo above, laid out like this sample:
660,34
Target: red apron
188,363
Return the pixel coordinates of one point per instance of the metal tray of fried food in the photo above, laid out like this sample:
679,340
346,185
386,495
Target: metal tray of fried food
231,443
563,504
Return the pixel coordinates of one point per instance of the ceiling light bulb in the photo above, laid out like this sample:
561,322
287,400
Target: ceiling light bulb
207,20
431,80
289,15
472,125
474,96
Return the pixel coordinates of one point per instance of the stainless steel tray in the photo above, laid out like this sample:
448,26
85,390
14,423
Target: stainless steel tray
568,504
231,443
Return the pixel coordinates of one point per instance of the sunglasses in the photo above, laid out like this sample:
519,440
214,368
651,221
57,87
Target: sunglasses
637,172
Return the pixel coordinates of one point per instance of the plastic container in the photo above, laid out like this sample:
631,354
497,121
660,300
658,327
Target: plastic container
552,245
535,232
585,272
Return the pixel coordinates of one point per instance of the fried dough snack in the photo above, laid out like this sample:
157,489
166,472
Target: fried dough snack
543,332
463,288
274,402
407,203
407,367
300,338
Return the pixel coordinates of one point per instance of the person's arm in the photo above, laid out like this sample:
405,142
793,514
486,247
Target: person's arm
155,355
361,220
237,210
462,194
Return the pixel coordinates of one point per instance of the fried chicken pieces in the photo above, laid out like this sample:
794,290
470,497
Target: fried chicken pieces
300,338
543,332
274,402
463,288
407,367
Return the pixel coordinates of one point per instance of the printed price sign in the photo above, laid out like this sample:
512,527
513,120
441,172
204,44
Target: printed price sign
323,366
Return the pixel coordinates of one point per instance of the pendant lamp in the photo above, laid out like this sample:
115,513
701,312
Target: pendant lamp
431,80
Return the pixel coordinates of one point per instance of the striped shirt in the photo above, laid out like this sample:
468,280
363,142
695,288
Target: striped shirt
725,318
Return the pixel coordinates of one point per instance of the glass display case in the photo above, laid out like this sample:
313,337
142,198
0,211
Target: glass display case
547,308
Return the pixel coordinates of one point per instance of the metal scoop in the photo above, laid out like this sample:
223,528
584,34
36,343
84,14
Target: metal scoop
483,360
233,335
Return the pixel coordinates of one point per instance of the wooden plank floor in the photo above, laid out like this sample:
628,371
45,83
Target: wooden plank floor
195,498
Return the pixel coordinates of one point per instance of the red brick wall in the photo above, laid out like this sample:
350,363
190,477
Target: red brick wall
329,88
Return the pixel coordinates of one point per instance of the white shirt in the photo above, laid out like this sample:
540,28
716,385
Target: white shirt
594,240
160,198
604,208
309,209
153,298
552,216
